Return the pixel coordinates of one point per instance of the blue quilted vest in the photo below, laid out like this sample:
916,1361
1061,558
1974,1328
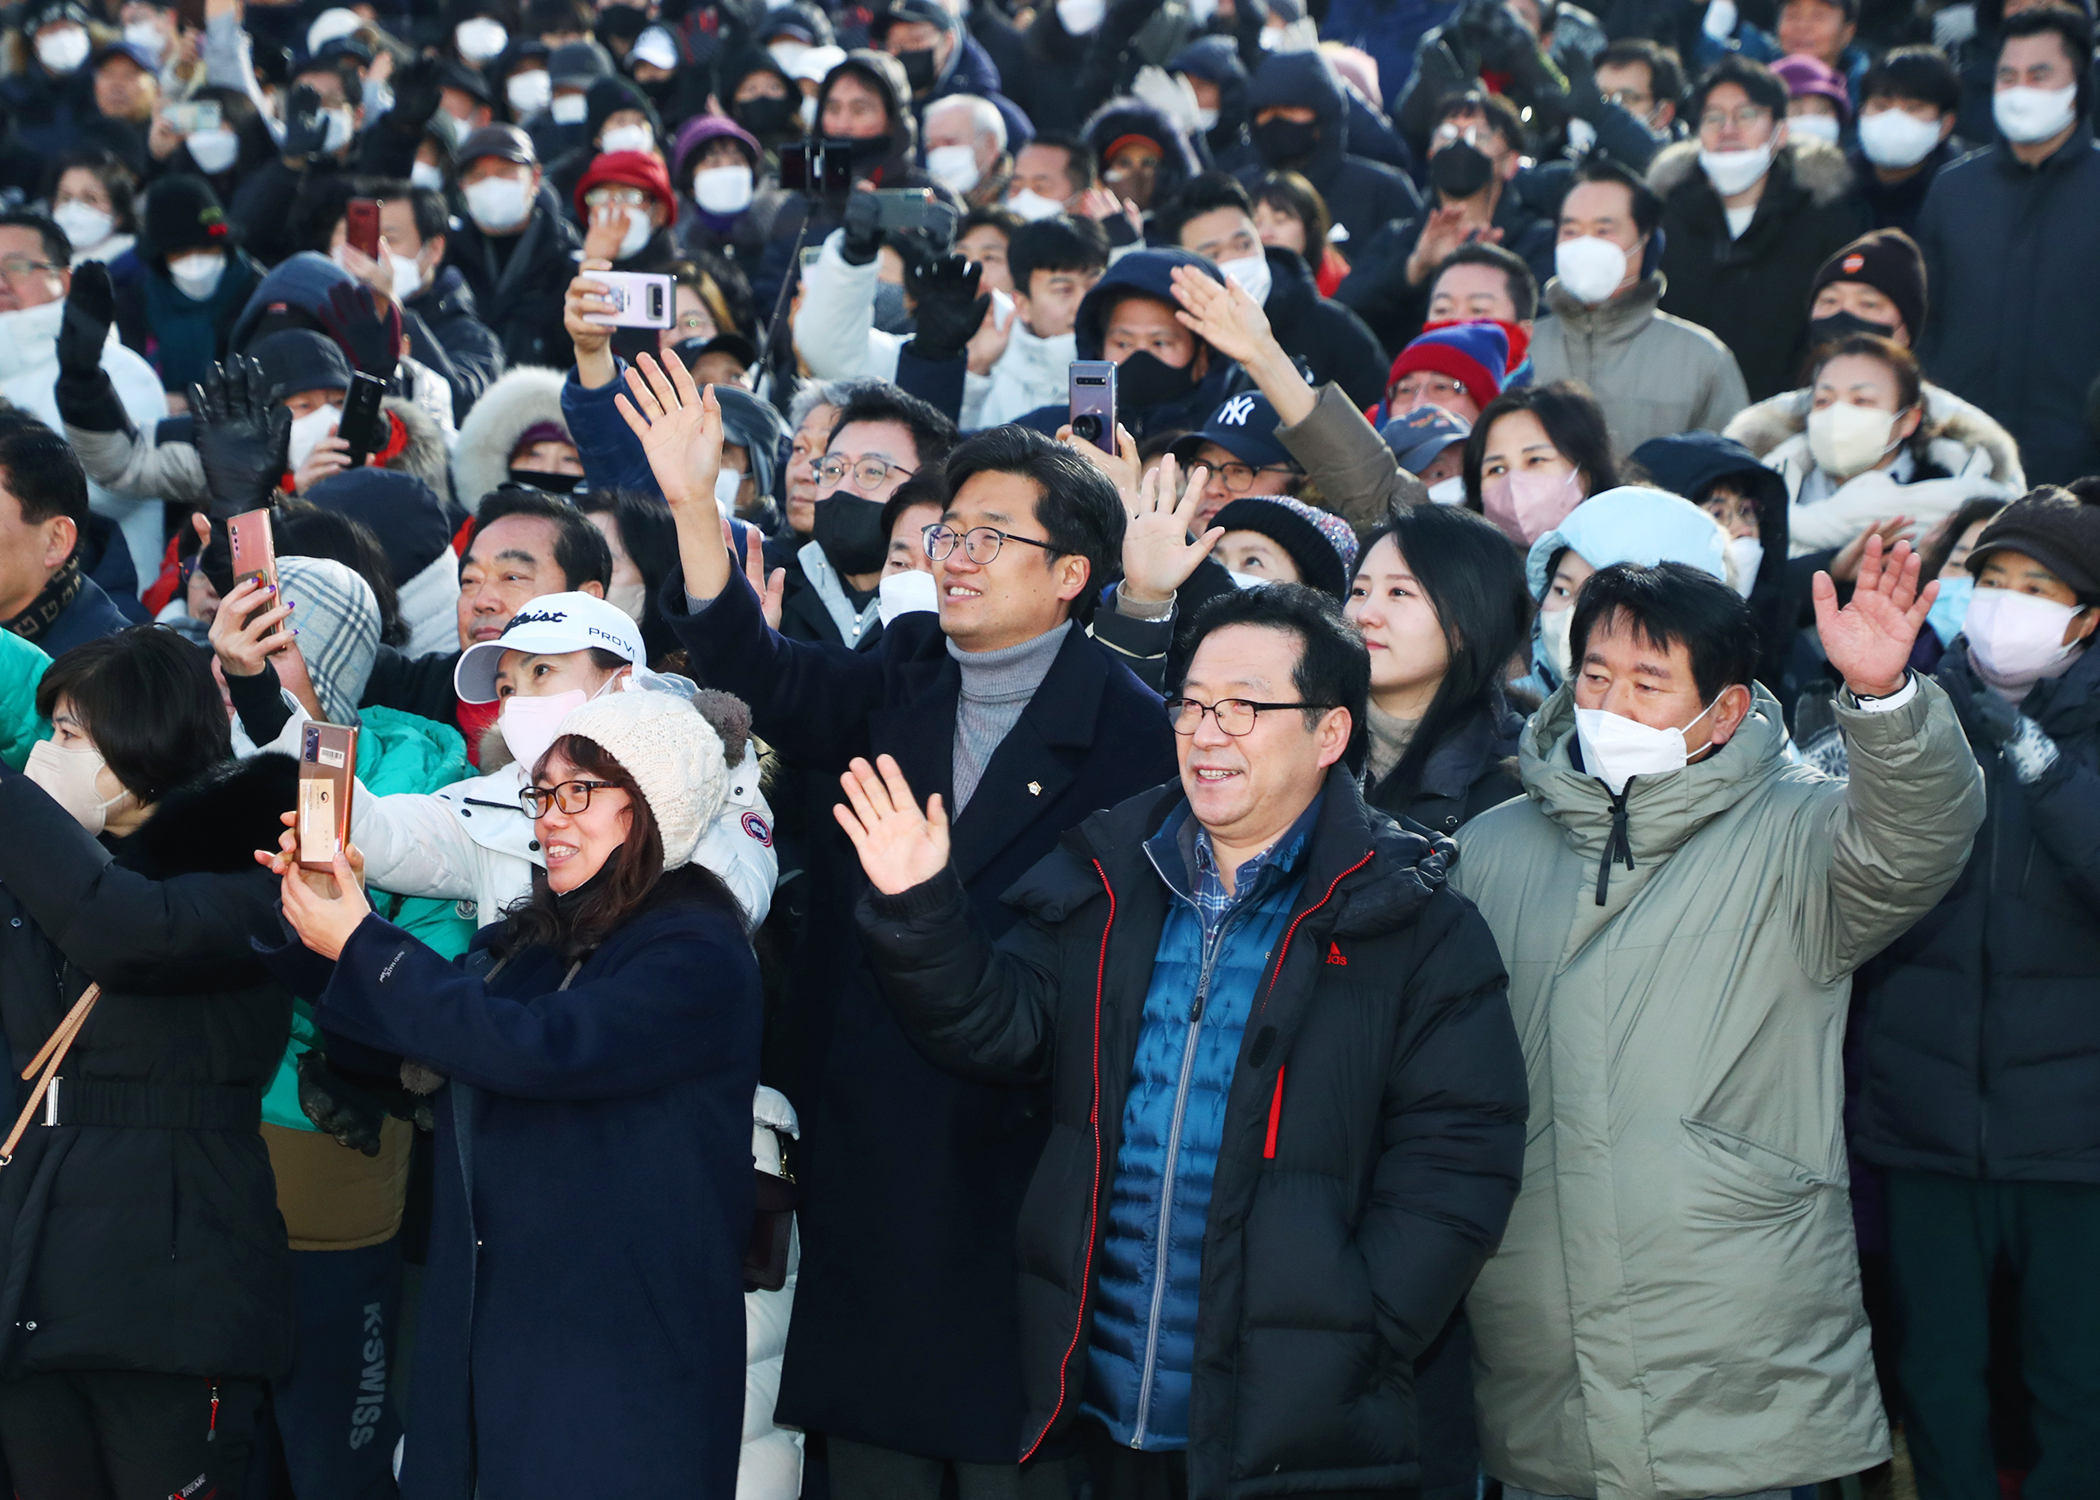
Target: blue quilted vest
1203,986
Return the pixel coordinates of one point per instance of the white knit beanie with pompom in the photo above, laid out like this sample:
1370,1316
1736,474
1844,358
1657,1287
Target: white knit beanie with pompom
672,753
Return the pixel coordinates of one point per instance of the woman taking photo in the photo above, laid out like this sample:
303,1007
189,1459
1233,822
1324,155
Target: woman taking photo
152,1297
1439,598
594,1187
1536,453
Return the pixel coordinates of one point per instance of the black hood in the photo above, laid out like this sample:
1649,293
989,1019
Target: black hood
214,823
885,75
1689,461
1128,116
1304,80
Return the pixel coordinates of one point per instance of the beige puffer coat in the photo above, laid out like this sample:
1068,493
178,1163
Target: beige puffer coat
1675,1309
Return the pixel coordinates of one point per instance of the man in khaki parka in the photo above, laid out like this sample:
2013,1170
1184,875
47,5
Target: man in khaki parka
1674,1312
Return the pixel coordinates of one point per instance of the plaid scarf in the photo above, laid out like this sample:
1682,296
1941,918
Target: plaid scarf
338,630
50,602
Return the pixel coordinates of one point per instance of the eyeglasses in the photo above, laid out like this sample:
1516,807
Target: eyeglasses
1239,478
623,197
15,267
980,543
1234,715
1743,117
868,473
571,797
1415,385
1631,99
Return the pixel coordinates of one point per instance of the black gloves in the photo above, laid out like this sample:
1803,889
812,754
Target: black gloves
242,436
371,343
91,306
353,1108
415,96
863,225
1996,719
305,123
949,311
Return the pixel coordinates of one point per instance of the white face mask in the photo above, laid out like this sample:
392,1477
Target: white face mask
2016,638
626,138
1845,440
785,53
498,203
1554,628
1897,138
728,484
630,599
408,276
1081,17
1033,206
1591,268
638,231
569,109
1206,119
954,167
423,174
340,129
148,38
197,275
1746,554
1733,172
1252,273
85,225
1247,580
528,93
906,593
62,49
1615,749
212,150
723,190
1822,128
808,110
1450,491
2027,115
480,39
530,725
69,777
307,432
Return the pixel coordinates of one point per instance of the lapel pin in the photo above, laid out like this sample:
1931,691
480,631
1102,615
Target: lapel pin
1035,789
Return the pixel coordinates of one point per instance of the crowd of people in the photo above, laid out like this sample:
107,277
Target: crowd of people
1270,748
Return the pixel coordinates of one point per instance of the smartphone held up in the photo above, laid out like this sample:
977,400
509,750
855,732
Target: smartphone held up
327,774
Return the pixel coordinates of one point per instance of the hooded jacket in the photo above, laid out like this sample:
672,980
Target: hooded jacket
524,397
1653,374
1336,1239
1951,475
739,236
1764,425
446,334
1361,194
1675,1307
1227,145
143,1227
415,529
1129,115
1149,272
1730,286
2008,254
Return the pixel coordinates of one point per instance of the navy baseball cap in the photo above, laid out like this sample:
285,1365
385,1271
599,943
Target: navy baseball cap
1417,437
1244,426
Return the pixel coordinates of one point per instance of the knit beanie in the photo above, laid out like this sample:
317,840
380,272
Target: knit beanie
1887,260
2053,528
298,359
672,753
1811,77
1476,355
182,213
338,630
1320,542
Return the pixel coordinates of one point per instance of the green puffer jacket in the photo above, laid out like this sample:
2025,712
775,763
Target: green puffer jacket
22,665
1675,1307
396,752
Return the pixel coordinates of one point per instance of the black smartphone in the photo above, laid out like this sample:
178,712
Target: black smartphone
363,422
1093,395
809,167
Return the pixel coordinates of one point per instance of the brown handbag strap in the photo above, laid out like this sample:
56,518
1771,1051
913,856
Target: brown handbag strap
49,1058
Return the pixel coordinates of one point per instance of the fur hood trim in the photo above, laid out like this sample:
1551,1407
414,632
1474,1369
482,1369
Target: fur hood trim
214,823
1764,426
1817,166
425,455
524,397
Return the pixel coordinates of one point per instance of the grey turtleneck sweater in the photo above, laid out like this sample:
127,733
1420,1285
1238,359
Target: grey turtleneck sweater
996,687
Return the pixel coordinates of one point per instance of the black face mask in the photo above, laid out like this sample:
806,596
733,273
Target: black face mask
919,70
1842,326
1460,170
849,529
1145,380
553,484
766,117
1282,142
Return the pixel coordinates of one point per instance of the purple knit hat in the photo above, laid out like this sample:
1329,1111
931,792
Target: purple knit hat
1321,543
1804,76
693,137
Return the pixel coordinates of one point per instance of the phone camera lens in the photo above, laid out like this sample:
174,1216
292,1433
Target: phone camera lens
1087,426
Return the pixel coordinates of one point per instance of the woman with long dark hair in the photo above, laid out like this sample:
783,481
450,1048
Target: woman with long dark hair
582,1329
1536,453
1439,596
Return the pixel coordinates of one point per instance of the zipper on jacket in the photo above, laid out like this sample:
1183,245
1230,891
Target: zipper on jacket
1212,949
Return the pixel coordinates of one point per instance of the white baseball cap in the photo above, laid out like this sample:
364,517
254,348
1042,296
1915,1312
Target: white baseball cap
551,625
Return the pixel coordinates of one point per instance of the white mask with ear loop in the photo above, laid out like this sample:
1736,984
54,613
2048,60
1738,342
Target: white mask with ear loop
69,777
906,593
1615,749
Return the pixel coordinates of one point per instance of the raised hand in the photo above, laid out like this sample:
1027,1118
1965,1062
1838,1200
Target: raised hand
899,846
1869,640
91,306
242,436
1157,553
586,316
1224,316
1122,467
607,228
1845,566
680,428
246,633
768,589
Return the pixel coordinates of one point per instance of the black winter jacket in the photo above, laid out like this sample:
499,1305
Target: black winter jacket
1472,770
143,1229
1361,194
1751,291
1373,1136
445,332
1982,1038
520,297
1321,333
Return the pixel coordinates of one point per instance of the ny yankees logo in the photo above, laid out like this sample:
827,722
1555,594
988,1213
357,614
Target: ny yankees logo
1235,412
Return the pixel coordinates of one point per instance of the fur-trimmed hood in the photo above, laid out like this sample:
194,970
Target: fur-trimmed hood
524,397
425,455
214,823
1820,168
1764,426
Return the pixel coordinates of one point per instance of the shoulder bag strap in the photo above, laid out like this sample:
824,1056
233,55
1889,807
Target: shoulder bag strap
49,1058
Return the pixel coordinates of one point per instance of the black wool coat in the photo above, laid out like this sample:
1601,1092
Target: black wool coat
1373,1137
141,1232
905,1332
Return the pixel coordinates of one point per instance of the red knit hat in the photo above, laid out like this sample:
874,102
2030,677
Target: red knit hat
642,169
1476,355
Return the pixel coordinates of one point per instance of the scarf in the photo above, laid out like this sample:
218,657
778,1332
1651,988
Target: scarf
1390,737
50,602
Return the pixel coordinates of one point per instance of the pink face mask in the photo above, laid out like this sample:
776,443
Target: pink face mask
1527,506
